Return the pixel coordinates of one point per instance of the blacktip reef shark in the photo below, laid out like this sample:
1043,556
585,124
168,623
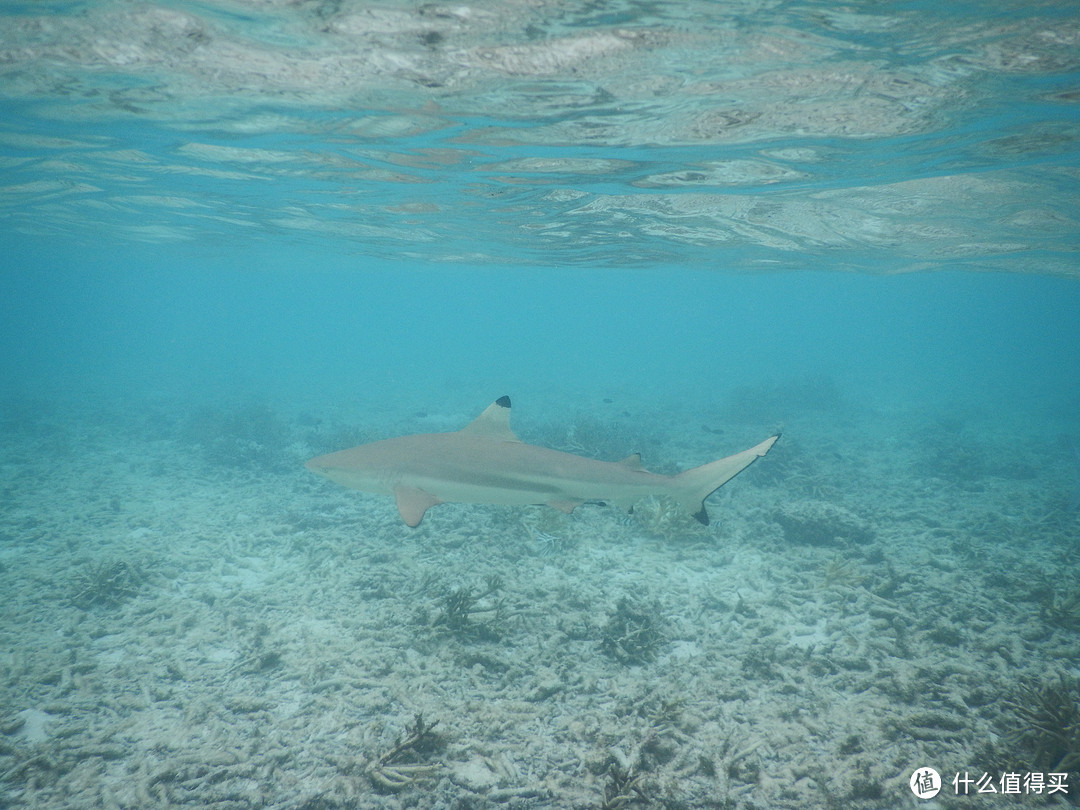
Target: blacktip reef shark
485,462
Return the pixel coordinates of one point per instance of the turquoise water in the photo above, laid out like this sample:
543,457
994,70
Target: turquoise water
286,326
501,182
235,235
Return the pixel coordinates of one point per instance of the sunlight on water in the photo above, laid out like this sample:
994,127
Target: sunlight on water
885,140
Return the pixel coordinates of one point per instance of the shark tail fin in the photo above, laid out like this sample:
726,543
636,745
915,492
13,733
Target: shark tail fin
694,486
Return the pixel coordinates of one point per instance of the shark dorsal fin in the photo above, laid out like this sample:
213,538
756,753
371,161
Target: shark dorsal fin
493,423
633,461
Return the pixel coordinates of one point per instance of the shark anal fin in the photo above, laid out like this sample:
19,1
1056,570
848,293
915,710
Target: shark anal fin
412,503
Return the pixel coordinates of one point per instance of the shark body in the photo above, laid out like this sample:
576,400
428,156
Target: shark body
485,462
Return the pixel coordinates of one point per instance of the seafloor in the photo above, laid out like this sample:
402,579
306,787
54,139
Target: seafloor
190,618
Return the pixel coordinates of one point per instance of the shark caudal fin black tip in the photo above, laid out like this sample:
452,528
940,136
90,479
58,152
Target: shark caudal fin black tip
697,484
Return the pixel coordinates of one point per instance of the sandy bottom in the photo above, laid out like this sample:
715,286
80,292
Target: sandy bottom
192,619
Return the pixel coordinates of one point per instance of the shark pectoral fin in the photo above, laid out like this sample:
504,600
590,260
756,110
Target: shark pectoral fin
412,503
565,506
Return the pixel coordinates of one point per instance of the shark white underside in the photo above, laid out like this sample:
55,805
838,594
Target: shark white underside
485,462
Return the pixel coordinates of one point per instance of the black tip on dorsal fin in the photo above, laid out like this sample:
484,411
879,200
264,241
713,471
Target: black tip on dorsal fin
494,422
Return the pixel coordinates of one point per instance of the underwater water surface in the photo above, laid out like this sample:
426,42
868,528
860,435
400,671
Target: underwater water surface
237,235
